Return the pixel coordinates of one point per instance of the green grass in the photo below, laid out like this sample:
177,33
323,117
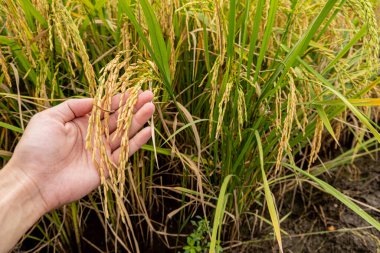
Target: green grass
247,93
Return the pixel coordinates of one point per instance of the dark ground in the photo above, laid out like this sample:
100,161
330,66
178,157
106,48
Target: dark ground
323,224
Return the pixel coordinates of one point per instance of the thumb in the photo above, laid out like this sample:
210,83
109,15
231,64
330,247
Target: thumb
72,108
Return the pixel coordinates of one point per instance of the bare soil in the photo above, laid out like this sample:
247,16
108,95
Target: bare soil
320,223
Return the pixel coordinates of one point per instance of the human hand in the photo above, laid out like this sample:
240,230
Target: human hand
51,154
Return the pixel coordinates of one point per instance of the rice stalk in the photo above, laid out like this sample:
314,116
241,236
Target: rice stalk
41,39
242,110
4,69
41,90
222,107
125,39
371,43
68,34
19,28
287,126
166,18
303,96
42,6
214,92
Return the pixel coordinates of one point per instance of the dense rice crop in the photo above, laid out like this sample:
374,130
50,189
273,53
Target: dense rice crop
247,94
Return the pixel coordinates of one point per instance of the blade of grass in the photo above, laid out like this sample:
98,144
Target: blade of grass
157,39
267,35
296,51
154,52
206,44
354,101
268,195
255,33
29,9
347,103
231,30
244,33
190,124
347,47
338,195
332,17
219,213
74,213
11,127
326,122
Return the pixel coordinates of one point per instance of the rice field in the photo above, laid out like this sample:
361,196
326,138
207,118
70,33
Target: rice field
254,98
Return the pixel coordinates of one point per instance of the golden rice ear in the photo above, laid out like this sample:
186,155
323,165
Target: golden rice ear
118,76
371,43
214,92
286,127
68,35
19,27
242,110
4,69
223,106
41,83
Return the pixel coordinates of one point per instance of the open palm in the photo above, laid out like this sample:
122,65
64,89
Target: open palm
52,151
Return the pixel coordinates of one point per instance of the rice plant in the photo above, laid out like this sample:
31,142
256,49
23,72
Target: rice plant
247,94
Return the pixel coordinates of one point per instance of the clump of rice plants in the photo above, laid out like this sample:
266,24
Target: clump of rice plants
247,92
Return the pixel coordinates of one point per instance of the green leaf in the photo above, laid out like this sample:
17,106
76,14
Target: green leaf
326,122
338,195
354,40
11,127
157,39
31,10
231,30
354,101
219,213
267,35
296,51
347,103
183,128
255,34
157,50
268,195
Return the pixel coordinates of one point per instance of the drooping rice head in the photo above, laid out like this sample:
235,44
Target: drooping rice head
119,76
4,69
68,35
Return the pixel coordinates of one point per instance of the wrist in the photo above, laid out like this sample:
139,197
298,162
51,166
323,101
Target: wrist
20,206
23,189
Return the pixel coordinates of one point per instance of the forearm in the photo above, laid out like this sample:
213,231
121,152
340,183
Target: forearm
20,206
